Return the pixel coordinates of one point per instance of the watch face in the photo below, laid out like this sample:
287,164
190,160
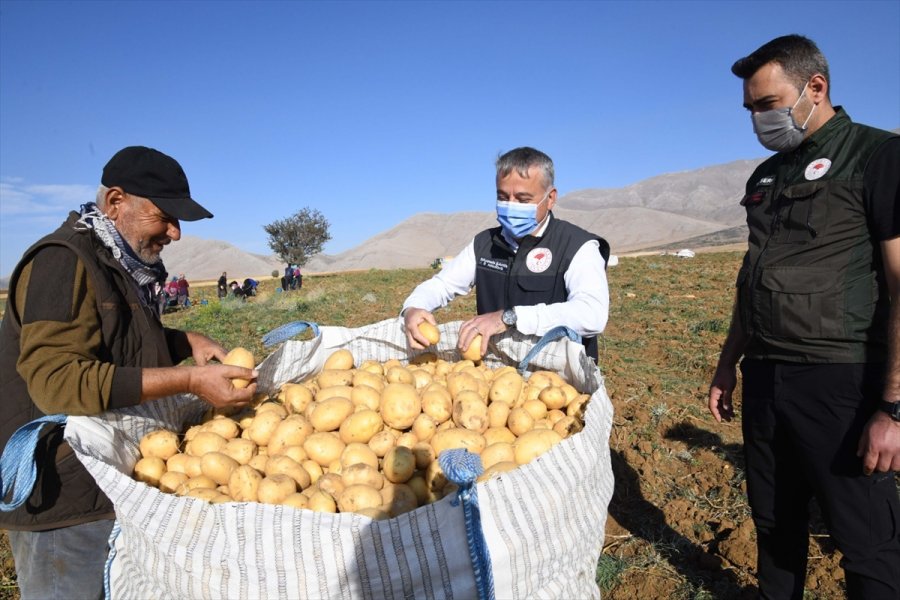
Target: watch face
508,317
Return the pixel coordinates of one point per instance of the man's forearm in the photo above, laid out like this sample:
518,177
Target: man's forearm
892,374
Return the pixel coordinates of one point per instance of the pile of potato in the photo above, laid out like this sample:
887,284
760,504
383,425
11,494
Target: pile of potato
365,439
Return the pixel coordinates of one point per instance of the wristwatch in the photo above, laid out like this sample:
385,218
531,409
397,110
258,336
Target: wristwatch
509,317
891,408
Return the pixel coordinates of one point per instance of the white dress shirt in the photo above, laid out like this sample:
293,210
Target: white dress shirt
585,310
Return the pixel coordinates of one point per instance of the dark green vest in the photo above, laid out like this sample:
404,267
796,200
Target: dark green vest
811,288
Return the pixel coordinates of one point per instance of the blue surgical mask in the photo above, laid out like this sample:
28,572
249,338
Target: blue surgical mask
518,219
776,129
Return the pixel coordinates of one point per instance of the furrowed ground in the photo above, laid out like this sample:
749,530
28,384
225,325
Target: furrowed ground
678,522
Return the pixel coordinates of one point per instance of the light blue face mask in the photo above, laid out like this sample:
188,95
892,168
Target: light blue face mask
518,219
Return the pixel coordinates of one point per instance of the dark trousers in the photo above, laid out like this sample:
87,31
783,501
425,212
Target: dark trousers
801,426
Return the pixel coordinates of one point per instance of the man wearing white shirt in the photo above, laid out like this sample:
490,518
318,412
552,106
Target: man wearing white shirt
534,272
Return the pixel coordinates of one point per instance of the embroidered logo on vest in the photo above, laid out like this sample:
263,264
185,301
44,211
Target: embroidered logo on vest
538,260
817,168
493,264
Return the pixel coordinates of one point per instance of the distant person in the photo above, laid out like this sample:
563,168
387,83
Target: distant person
817,321
159,294
80,336
236,290
222,285
249,287
172,292
184,291
533,272
298,279
288,281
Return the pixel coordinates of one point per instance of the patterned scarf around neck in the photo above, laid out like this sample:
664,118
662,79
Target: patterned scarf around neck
144,274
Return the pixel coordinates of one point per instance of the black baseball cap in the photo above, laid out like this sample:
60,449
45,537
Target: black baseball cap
149,173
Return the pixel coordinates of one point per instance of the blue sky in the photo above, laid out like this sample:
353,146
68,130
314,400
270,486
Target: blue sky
373,111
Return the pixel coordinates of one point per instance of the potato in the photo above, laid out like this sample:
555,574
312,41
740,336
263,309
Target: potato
437,403
357,497
201,481
398,498
417,484
536,408
205,442
424,427
421,378
424,454
429,332
357,452
191,432
499,434
202,494
534,443
436,480
339,359
494,470
160,443
400,405
313,468
171,480
366,396
240,357
273,407
295,452
473,352
331,484
221,499
224,426
273,489
321,502
149,470
292,431
362,474
372,366
520,421
258,462
407,439
399,464
218,466
460,382
457,438
263,426
284,465
334,378
399,375
498,413
555,415
324,448
361,426
576,407
567,426
381,442
553,397
506,388
470,412
497,453
296,397
244,483
296,500
370,379
334,391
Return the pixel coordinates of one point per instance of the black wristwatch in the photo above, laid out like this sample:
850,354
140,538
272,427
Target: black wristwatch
891,408
509,317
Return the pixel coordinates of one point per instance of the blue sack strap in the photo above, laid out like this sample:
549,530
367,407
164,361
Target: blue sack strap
18,471
463,468
551,336
287,331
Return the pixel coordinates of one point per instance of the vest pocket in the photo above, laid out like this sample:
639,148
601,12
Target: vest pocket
803,212
799,302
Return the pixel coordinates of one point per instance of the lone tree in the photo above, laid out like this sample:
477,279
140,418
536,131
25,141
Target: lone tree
296,238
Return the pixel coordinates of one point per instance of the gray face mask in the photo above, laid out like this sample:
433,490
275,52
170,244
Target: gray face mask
777,130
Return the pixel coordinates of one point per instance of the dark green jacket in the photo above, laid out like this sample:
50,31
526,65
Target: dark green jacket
811,288
132,338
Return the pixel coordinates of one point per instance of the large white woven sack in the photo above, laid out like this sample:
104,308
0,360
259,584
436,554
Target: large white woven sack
543,522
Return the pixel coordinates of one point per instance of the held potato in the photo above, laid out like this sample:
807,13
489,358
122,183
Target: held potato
473,352
160,443
429,332
240,357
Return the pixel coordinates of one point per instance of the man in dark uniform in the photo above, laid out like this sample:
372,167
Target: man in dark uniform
534,272
817,322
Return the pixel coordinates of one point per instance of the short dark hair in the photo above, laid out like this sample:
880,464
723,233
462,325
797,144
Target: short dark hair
798,56
521,160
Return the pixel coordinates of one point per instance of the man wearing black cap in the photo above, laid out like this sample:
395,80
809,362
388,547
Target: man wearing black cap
81,334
